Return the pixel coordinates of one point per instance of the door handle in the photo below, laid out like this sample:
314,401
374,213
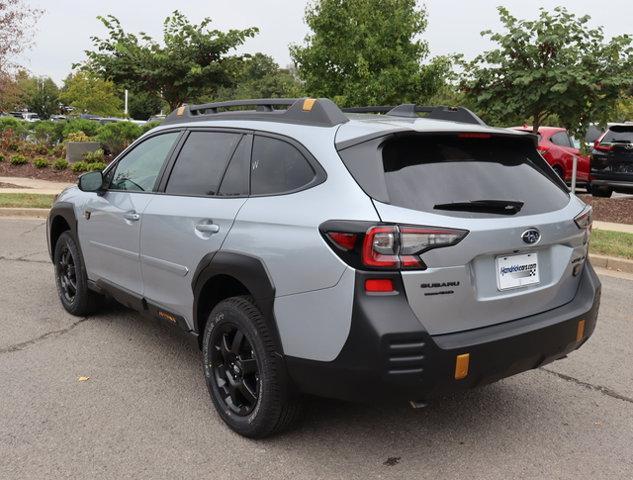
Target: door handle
132,216
208,228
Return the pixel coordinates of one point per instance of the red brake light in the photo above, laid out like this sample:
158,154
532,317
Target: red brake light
474,135
343,240
379,285
602,148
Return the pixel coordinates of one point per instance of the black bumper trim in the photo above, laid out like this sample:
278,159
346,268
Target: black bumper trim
389,355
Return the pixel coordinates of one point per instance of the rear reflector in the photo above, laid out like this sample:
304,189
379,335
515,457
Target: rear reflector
462,363
379,285
580,331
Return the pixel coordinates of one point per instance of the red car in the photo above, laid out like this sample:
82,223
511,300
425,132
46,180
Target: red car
557,147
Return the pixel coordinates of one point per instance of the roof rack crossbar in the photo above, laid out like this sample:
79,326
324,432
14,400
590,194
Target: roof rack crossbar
409,110
317,112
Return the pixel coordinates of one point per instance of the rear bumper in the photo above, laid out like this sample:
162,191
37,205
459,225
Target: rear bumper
616,181
388,354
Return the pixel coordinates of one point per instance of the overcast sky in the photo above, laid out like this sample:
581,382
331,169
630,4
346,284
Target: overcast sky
64,31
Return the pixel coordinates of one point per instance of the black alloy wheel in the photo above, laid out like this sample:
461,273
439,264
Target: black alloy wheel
235,369
245,371
67,274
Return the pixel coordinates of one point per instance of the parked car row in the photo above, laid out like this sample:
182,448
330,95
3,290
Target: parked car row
609,166
34,117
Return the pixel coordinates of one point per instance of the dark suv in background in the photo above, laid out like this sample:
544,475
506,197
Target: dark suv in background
612,161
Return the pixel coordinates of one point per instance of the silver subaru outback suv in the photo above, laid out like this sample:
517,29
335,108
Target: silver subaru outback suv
368,254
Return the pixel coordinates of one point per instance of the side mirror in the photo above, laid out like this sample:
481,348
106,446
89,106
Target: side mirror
91,182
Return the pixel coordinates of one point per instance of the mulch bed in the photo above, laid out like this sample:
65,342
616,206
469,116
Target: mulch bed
29,171
618,210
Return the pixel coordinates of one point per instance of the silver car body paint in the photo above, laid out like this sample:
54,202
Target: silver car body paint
314,287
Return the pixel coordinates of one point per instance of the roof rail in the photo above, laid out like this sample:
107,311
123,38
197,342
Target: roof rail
409,110
320,112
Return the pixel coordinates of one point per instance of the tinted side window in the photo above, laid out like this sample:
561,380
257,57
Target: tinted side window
201,163
139,169
561,139
236,179
278,167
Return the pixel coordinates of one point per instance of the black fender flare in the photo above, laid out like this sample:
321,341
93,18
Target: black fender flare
249,270
65,210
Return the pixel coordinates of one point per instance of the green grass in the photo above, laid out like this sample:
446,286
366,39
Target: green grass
613,244
26,200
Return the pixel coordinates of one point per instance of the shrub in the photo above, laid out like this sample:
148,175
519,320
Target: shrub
41,163
146,127
27,148
60,164
77,137
48,132
1,158
79,167
18,160
88,127
58,151
41,149
96,166
9,141
96,156
18,127
114,137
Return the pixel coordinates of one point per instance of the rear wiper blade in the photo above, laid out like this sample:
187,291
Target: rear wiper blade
501,207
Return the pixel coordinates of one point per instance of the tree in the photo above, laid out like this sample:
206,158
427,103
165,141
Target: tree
143,105
259,76
88,93
16,20
43,98
193,60
365,52
554,65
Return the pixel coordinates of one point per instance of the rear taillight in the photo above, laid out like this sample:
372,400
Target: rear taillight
602,147
585,219
387,247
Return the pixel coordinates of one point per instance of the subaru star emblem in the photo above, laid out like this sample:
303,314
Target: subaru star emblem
531,236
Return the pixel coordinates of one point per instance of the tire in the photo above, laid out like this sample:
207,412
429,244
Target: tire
245,375
602,192
71,279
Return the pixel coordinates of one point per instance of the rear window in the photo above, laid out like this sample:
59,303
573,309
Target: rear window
623,134
423,172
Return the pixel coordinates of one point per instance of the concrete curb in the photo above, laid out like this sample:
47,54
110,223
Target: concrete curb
41,213
612,263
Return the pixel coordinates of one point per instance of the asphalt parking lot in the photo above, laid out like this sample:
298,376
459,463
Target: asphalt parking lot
144,412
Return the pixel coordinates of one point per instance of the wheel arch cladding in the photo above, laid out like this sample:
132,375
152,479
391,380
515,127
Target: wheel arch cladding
221,275
60,219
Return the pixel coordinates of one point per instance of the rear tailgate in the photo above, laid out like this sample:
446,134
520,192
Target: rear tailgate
618,144
515,261
460,289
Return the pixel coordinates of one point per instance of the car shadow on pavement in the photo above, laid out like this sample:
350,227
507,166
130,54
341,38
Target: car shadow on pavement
503,407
